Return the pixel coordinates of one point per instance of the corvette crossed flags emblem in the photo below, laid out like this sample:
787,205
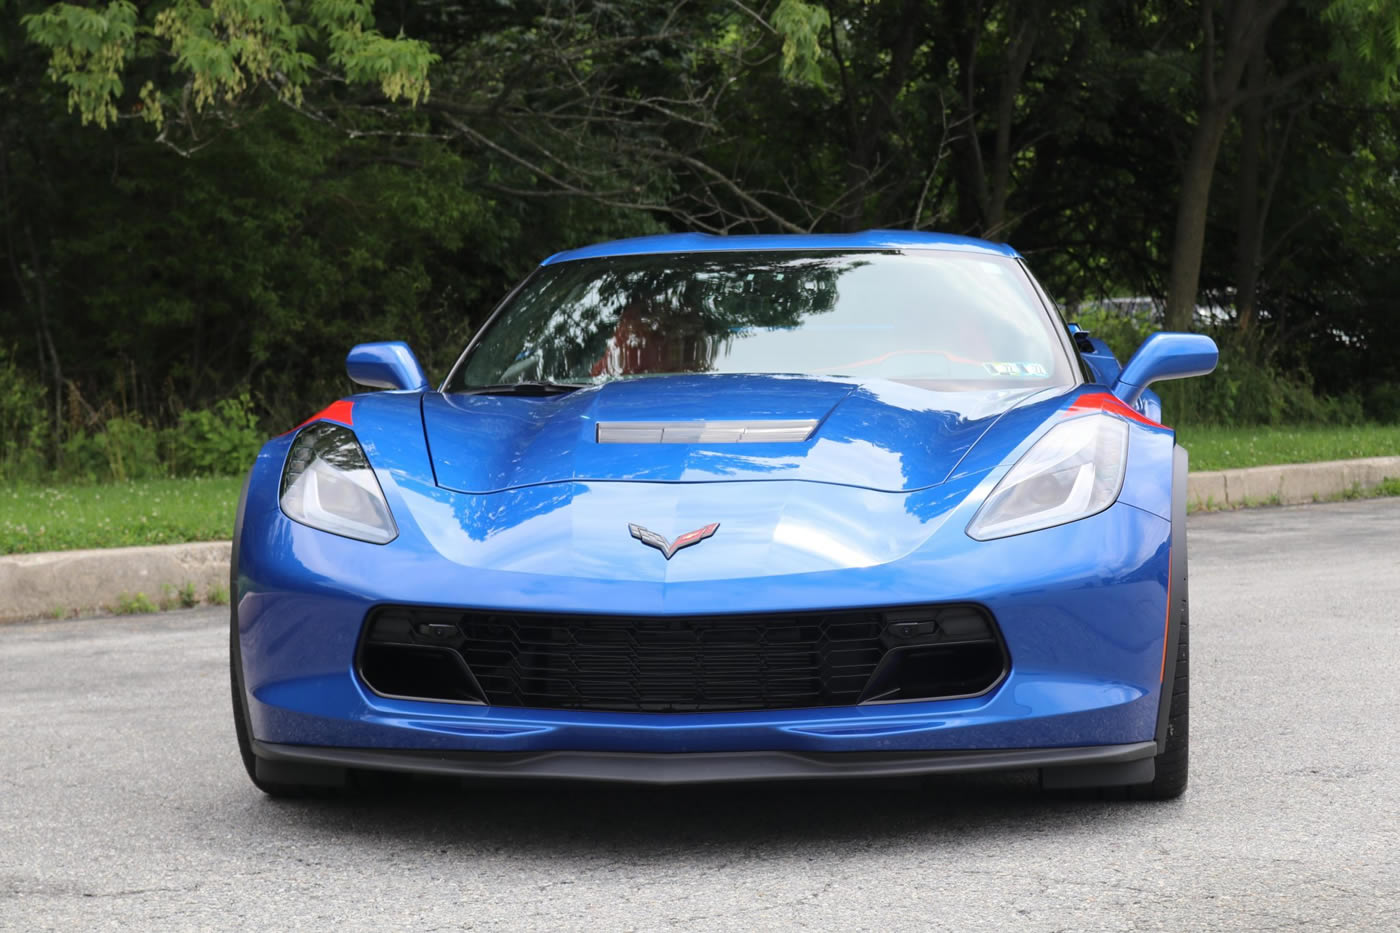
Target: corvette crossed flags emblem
668,548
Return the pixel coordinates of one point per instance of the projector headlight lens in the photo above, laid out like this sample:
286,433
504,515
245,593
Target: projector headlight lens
327,483
1074,471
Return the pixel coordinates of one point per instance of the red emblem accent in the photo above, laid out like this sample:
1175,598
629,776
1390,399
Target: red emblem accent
669,548
337,411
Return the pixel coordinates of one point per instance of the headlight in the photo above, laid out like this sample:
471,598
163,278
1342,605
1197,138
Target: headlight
1074,471
328,484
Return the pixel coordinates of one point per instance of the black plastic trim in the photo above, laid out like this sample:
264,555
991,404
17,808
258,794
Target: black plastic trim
1178,595
235,636
992,687
707,767
1100,774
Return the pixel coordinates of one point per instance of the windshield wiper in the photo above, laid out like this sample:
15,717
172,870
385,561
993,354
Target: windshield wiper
525,388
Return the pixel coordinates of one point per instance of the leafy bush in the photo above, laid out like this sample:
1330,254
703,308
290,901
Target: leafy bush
24,432
1248,387
1383,403
82,458
218,441
131,449
123,449
103,447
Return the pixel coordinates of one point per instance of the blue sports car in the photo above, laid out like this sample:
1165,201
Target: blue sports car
694,508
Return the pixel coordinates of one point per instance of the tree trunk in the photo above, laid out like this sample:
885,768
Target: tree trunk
1188,245
1249,233
1246,27
1018,56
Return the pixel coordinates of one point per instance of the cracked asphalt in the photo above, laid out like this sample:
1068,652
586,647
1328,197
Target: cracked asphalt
123,804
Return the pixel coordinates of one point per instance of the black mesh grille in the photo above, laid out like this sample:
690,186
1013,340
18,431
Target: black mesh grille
673,664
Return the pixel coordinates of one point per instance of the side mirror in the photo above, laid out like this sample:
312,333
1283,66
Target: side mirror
1165,356
387,365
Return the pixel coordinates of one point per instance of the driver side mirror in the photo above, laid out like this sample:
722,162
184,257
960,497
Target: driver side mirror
388,364
1165,355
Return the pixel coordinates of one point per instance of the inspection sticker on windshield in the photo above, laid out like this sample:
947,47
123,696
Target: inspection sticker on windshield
1015,369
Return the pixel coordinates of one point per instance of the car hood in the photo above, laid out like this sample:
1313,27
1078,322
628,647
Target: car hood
879,435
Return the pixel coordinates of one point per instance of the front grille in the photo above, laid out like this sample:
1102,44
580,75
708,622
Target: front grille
675,663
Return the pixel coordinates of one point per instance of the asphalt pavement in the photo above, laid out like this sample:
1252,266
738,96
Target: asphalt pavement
123,804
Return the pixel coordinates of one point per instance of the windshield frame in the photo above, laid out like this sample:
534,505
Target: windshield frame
1053,317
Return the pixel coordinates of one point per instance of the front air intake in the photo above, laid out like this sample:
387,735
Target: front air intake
682,663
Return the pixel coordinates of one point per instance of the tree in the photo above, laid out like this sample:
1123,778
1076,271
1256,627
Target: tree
1234,34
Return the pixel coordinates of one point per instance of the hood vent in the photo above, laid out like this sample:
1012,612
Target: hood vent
705,432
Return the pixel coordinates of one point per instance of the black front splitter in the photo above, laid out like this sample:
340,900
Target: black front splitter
1097,765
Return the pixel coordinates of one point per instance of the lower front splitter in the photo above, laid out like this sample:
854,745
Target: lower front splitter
1099,764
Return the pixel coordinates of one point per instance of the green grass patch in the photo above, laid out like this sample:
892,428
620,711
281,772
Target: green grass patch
1216,448
156,511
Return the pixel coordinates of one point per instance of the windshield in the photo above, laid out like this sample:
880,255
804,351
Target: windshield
959,319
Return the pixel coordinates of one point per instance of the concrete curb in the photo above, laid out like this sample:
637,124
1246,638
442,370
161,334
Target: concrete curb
37,585
1289,484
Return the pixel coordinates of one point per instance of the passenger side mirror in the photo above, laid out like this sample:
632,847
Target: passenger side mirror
1165,356
389,364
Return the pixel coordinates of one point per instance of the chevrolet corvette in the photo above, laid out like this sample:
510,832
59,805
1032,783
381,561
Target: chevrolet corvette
691,508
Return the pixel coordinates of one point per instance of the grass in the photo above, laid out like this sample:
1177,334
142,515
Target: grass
161,511
128,604
1214,448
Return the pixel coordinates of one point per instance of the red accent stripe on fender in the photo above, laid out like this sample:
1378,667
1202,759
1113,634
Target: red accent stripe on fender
1105,401
336,411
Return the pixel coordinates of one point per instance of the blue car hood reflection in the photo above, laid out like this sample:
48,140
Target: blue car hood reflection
879,435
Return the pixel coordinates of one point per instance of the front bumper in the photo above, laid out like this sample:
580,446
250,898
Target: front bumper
1082,609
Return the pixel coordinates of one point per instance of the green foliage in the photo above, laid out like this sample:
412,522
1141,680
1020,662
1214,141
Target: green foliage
89,47
131,450
184,596
187,595
1366,44
134,604
225,49
218,441
217,595
226,45
257,203
221,440
23,420
1248,386
1245,390
1383,403
800,24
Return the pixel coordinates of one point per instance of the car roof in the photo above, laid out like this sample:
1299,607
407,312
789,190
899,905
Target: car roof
710,243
